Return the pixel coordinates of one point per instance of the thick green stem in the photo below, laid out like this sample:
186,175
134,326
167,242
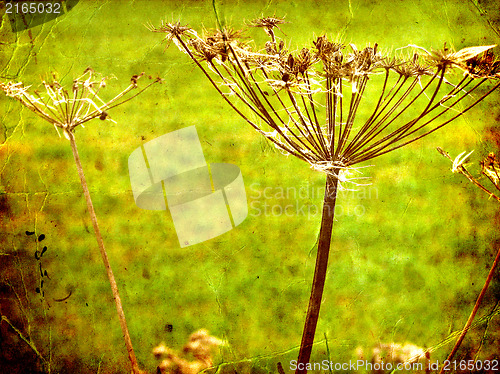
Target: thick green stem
319,273
104,255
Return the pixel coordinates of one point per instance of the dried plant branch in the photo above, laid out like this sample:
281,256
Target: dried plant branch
489,168
25,339
459,167
104,255
66,110
475,309
287,90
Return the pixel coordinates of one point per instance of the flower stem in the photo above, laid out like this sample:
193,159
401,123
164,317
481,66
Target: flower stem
491,273
100,242
319,273
474,310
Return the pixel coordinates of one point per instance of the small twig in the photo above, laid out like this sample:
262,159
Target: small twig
475,309
328,353
24,339
459,166
462,170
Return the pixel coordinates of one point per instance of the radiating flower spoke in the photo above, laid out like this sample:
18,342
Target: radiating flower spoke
287,90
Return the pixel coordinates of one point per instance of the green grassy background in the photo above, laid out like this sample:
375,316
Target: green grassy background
409,252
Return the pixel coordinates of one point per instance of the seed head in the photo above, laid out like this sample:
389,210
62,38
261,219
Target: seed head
171,29
306,103
445,57
268,24
66,109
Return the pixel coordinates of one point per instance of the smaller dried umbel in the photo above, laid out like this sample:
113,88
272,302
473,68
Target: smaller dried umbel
490,168
66,108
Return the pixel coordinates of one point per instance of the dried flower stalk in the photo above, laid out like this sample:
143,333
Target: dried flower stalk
307,103
490,168
66,110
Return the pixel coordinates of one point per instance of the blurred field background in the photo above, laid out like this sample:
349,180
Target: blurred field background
410,252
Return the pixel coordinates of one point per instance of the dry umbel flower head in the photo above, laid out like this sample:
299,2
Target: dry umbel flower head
307,102
66,108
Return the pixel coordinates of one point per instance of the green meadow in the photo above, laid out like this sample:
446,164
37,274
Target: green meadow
410,249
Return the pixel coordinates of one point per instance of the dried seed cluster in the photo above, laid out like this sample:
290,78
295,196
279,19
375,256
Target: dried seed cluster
65,108
307,102
491,168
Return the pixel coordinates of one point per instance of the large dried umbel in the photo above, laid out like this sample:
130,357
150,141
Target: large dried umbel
306,102
313,104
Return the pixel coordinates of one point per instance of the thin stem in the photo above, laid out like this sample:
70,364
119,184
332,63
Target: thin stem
315,130
290,116
330,114
25,339
316,127
295,151
366,126
319,272
468,324
238,68
353,108
322,153
474,310
111,104
473,180
107,265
